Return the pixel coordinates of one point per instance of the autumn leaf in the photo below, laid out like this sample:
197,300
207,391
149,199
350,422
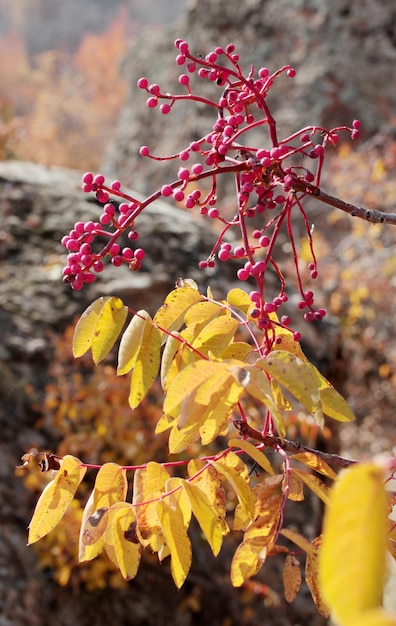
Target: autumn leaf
147,363
109,324
171,521
131,342
355,535
121,542
85,328
291,577
170,316
55,498
210,523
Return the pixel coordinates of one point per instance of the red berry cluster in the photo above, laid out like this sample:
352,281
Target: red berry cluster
83,263
271,180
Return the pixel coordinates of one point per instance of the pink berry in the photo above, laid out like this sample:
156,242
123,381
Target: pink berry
178,195
88,178
184,79
144,151
139,254
99,179
166,190
151,102
165,108
242,274
142,83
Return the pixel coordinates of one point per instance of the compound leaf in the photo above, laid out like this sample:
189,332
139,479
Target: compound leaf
56,497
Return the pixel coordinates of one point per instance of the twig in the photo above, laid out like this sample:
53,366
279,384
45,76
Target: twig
369,215
272,441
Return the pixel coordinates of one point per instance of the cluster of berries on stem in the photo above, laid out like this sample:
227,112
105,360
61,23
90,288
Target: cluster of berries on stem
272,179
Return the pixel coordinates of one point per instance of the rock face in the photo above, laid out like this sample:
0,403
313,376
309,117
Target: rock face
344,53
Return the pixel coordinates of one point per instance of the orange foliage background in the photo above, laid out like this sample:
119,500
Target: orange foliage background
61,108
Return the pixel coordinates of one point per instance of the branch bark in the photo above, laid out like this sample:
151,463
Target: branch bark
272,441
369,215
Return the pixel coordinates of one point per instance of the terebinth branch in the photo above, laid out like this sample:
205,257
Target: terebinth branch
369,215
272,441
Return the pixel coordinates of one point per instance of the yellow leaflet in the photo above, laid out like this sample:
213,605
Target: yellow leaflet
55,498
216,335
295,487
266,525
286,342
221,404
164,423
183,357
110,487
85,327
239,485
312,579
298,377
299,540
262,494
131,342
354,534
312,460
171,315
335,406
314,483
186,382
172,525
254,454
147,364
121,541
210,523
109,324
373,617
148,486
209,481
239,299
291,577
247,560
256,383
173,344
179,498
200,314
281,401
237,350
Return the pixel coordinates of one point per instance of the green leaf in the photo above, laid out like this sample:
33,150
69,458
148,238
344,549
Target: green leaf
85,328
56,497
109,324
353,553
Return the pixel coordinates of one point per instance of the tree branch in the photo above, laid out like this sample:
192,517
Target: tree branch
272,441
369,215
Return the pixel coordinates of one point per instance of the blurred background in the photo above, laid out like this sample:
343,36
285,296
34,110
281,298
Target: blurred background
69,103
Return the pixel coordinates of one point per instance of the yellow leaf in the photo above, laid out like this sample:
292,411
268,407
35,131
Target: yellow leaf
256,383
206,516
122,542
247,560
239,484
86,326
56,497
293,487
312,460
216,335
238,350
335,406
109,324
312,578
285,341
148,486
110,487
239,299
209,481
354,535
147,364
179,498
299,540
373,617
171,315
254,454
291,577
200,314
173,344
131,342
172,525
314,483
298,377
